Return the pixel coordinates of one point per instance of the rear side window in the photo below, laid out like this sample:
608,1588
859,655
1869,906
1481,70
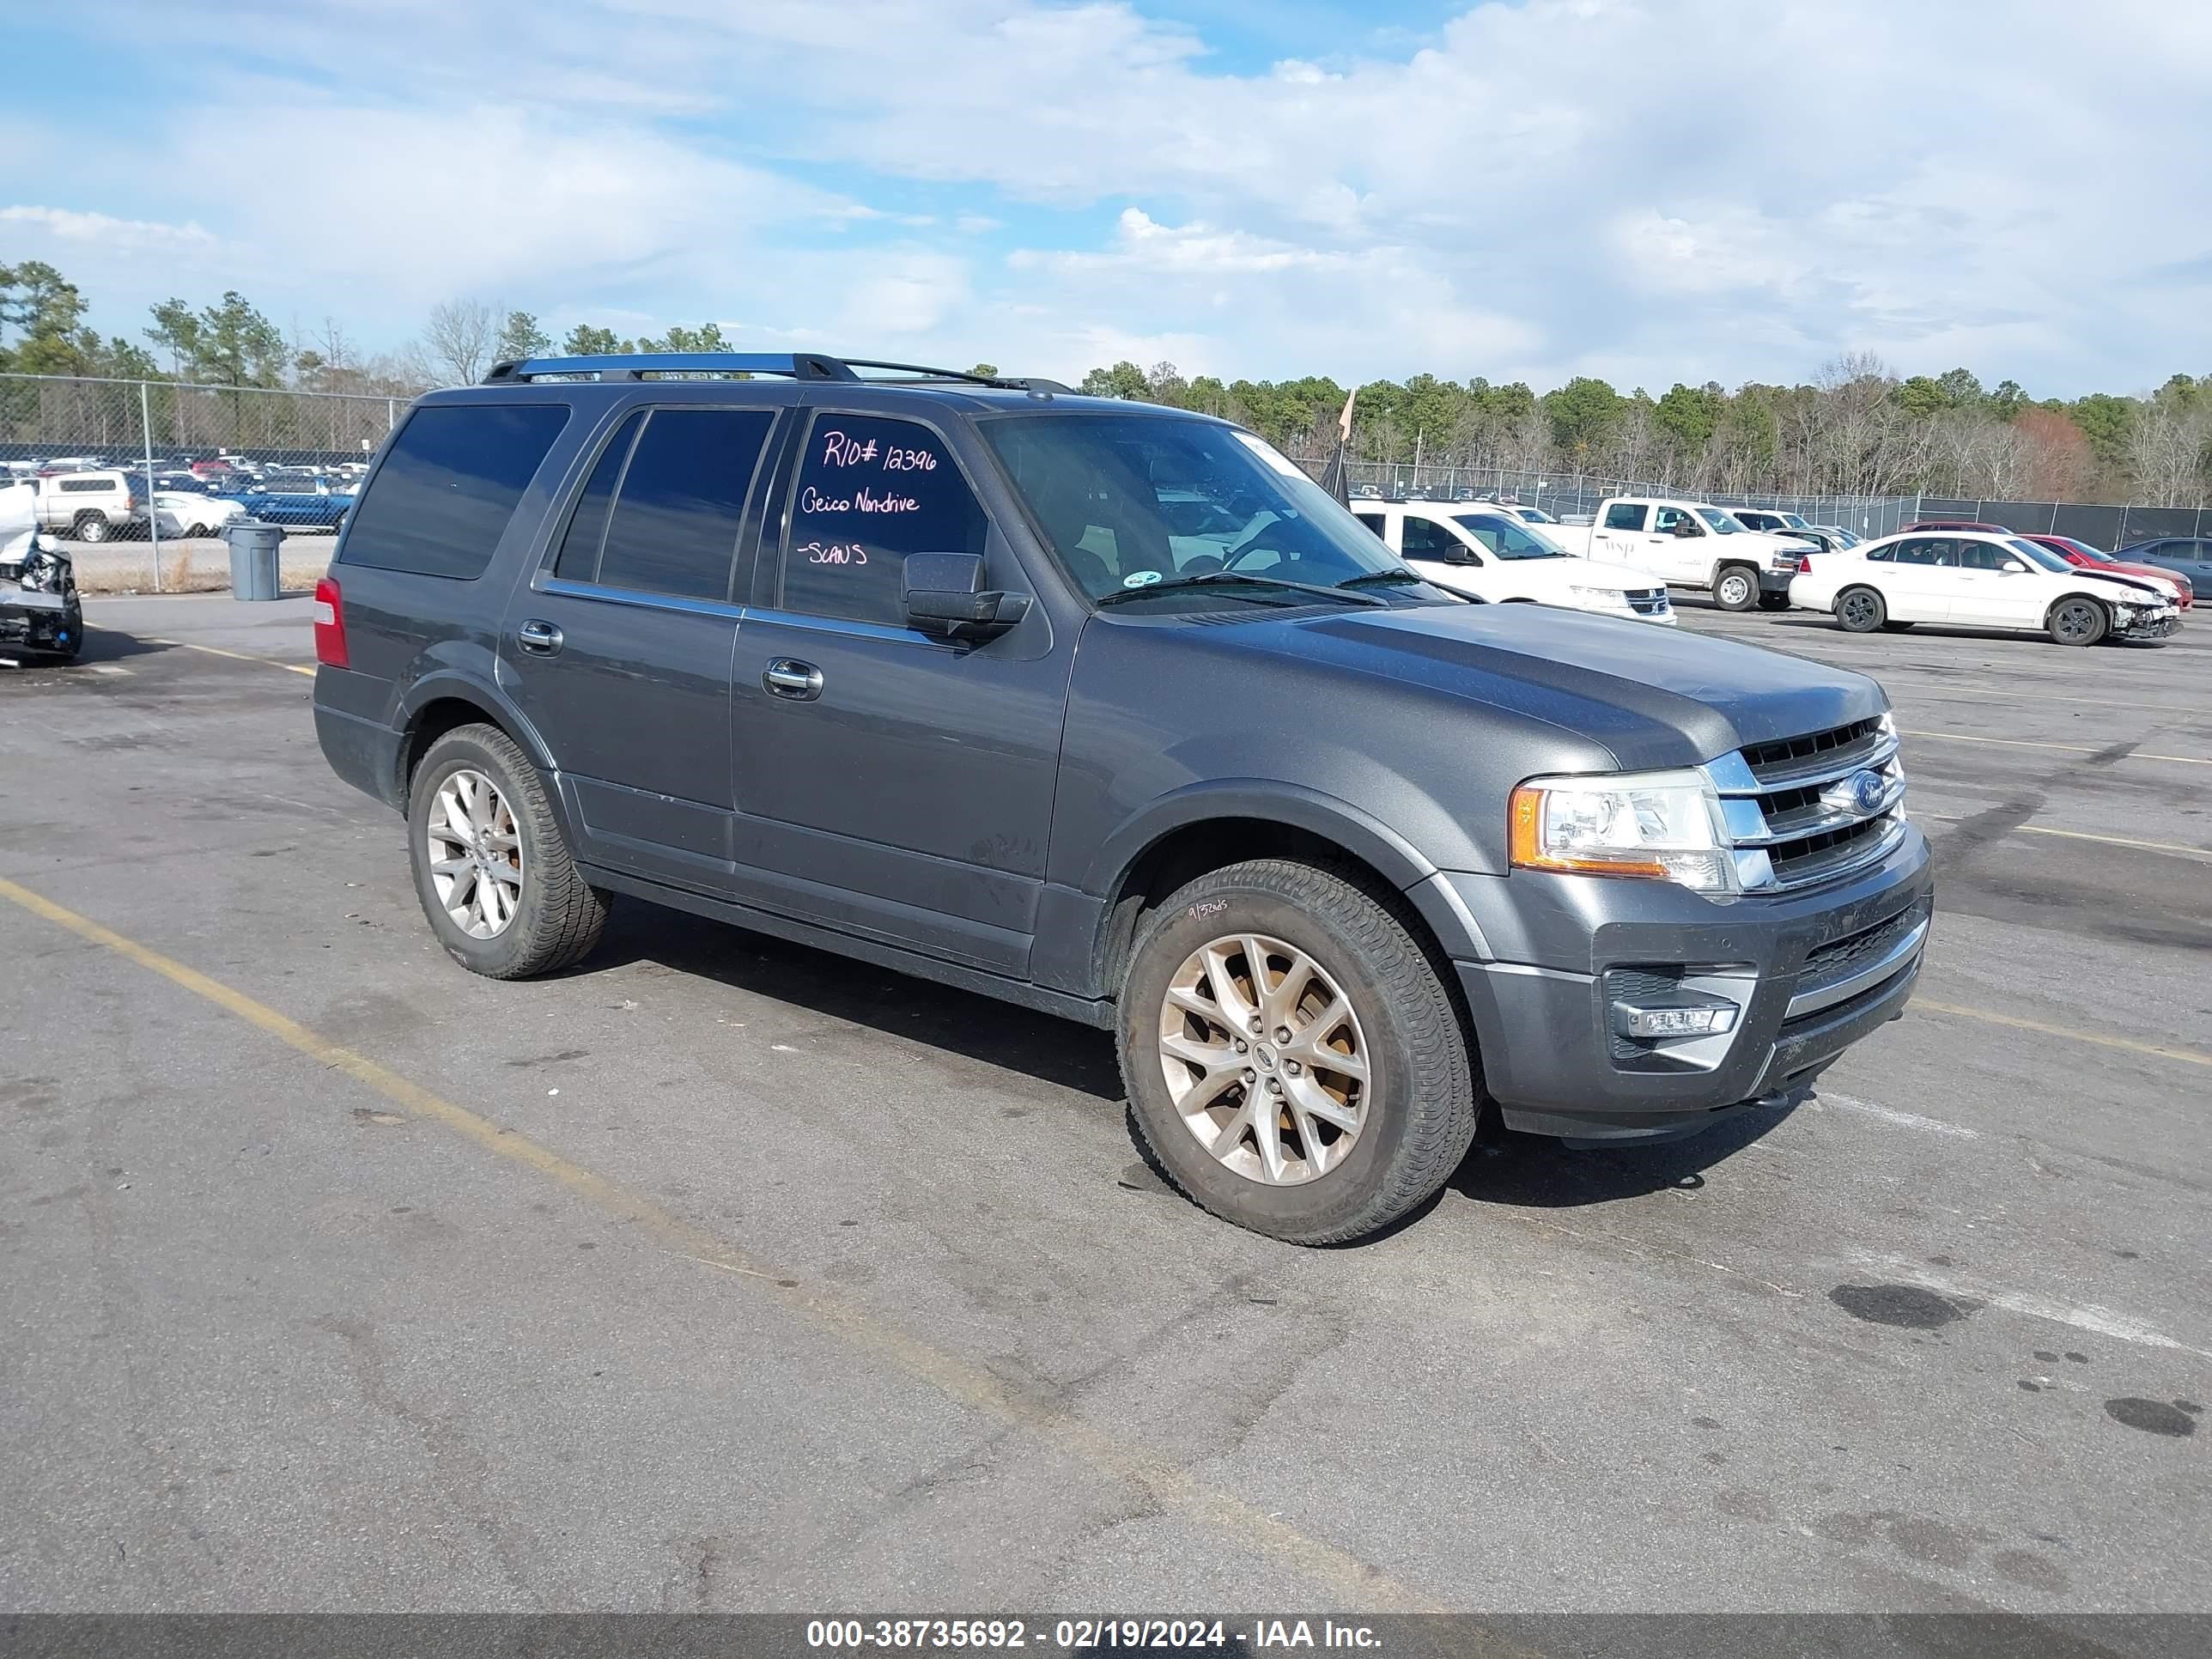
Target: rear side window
1624,515
870,491
674,528
579,559
448,486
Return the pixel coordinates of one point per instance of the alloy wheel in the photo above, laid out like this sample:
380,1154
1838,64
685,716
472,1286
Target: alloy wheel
475,850
1858,610
1264,1059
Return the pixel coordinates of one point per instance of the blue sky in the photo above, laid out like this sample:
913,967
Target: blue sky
1676,189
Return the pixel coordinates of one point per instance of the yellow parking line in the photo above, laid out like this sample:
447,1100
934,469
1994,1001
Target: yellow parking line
1348,1576
2186,1056
2071,748
237,656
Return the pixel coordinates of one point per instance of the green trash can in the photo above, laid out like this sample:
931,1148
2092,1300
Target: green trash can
253,547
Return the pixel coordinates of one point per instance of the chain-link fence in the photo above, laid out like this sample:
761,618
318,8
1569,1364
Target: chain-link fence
124,422
2100,527
1573,495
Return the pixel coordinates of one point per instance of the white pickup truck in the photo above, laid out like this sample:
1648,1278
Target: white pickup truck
1688,544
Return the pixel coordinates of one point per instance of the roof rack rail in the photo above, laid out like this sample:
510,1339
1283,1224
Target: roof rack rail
635,365
797,366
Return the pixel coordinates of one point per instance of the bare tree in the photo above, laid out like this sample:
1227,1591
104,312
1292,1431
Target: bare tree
2168,452
458,340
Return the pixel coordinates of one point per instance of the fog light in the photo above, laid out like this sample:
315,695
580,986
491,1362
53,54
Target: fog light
1703,1019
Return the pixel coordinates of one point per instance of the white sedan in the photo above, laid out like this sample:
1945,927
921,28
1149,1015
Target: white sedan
183,513
1474,548
1978,580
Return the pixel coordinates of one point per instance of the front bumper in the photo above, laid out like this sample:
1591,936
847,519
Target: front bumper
2149,628
1776,581
38,620
1563,950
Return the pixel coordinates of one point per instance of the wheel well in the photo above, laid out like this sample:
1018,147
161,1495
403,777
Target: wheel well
431,722
2067,599
1183,855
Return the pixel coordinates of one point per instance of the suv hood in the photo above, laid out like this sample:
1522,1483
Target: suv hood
1655,697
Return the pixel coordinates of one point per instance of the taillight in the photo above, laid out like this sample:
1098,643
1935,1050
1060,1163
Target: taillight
330,625
1804,564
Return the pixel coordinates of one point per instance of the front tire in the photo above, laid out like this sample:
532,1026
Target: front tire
2079,622
1737,588
1861,610
492,868
1774,601
1351,1097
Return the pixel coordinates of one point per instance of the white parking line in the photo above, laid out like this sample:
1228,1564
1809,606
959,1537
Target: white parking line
1890,1115
2086,1316
2172,849
2071,748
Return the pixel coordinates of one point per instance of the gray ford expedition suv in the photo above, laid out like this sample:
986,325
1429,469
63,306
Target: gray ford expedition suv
1107,710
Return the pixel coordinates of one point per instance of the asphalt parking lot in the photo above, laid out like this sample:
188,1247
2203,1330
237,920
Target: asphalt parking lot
722,1273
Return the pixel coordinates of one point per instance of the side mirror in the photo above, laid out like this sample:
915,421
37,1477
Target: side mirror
944,595
1687,527
2012,566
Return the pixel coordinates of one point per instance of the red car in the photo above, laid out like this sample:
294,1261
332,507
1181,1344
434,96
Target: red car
1956,524
2095,558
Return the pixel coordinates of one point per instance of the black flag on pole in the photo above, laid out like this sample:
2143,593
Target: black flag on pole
1333,475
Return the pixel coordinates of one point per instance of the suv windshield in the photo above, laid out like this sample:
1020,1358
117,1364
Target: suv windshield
1724,524
1130,503
1509,538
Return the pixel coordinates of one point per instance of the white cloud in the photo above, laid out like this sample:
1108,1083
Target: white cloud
70,226
1705,188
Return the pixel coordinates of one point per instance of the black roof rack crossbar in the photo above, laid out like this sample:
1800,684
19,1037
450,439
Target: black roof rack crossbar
797,366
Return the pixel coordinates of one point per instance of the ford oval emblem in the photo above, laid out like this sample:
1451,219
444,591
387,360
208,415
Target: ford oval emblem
1861,794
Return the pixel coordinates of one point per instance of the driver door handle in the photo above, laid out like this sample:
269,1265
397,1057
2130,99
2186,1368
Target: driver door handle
540,639
792,679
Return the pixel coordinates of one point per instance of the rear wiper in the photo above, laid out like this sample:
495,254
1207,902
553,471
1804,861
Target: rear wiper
1214,578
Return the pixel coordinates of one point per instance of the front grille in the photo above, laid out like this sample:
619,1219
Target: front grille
1839,958
1787,758
1781,815
1651,602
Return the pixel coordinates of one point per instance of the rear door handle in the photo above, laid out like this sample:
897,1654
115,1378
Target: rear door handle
787,677
540,639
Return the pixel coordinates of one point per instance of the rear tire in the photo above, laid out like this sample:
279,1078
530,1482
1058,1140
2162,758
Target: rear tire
1376,1044
90,528
557,916
1861,610
1736,587
2079,622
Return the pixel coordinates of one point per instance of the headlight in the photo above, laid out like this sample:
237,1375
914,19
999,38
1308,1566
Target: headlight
1664,826
1599,598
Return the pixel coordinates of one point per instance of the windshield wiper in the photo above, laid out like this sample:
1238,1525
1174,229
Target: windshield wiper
1214,578
1381,576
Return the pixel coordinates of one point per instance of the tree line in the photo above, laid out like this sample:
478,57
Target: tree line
1859,428
232,342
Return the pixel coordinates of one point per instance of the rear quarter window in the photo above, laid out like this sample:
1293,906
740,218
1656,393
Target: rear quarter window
449,485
